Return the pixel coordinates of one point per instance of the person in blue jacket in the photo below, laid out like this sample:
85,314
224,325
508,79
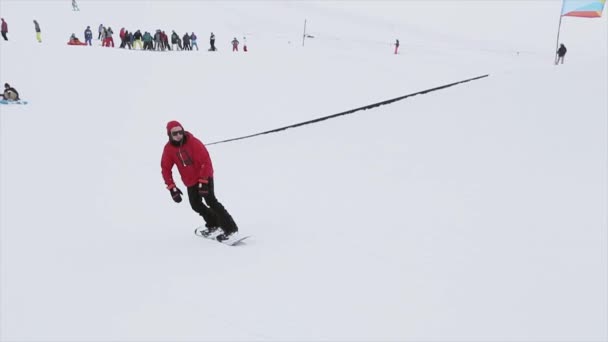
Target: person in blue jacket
88,35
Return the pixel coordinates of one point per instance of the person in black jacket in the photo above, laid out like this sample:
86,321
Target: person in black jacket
128,39
137,40
10,93
176,40
37,29
186,40
212,42
561,53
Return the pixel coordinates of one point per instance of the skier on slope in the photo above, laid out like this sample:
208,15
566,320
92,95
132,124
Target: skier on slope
196,170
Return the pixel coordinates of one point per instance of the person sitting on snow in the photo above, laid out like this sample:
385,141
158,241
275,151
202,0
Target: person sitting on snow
10,93
75,41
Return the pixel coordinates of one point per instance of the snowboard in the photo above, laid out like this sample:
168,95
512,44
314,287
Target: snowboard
233,241
7,102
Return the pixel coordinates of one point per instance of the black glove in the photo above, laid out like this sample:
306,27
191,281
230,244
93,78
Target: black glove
176,194
203,187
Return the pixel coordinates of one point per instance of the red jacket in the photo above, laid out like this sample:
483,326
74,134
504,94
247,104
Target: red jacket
192,160
4,27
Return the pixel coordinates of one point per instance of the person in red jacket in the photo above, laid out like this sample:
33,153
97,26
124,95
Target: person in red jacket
4,29
194,165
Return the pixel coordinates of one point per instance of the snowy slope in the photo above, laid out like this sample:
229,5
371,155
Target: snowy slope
475,213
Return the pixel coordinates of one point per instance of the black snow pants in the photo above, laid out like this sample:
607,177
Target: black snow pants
214,213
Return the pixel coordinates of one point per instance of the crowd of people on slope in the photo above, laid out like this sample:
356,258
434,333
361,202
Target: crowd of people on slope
159,41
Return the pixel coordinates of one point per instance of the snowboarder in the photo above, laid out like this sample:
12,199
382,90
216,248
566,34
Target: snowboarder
38,33
10,93
235,45
396,46
212,42
4,29
561,53
88,36
75,6
196,170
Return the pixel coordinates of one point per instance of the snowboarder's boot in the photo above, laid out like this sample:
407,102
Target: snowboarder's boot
225,236
211,230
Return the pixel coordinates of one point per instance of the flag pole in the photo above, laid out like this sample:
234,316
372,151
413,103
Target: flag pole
559,26
304,34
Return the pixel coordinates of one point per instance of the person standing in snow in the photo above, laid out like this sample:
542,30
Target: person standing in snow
244,44
196,170
88,36
128,39
101,29
396,46
157,39
193,41
37,29
235,45
121,35
4,29
212,42
75,6
176,40
186,40
165,41
109,40
104,32
148,39
561,53
137,40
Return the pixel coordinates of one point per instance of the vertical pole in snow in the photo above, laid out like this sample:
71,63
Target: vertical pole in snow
304,35
559,26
